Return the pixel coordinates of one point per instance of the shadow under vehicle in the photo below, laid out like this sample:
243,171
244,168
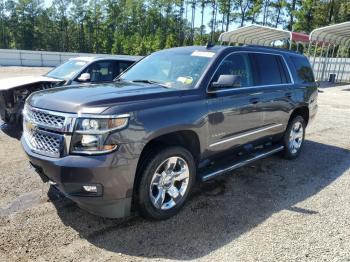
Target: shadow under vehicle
236,204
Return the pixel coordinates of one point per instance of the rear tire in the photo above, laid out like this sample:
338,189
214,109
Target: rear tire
293,138
165,183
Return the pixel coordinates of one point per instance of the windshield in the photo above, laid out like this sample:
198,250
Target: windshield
67,70
170,68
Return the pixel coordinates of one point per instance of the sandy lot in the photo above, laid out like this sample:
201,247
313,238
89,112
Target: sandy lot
12,71
273,210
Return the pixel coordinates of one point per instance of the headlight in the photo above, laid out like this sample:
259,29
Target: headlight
99,125
91,134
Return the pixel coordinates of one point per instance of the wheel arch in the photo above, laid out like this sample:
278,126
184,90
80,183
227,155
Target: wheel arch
186,138
302,111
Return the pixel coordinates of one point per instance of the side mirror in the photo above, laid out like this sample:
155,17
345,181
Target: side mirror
85,77
226,81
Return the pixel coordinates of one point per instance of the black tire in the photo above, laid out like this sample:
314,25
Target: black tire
289,151
144,191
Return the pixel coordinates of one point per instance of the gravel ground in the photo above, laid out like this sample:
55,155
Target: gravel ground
273,210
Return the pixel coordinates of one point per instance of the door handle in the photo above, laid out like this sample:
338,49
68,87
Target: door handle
254,100
289,94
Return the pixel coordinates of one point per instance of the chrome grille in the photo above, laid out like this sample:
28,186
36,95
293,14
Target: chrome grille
44,142
43,131
46,119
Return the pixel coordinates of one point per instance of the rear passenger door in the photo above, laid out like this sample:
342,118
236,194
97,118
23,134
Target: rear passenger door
272,75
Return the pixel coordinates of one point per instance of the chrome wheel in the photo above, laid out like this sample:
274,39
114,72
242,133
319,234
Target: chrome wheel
296,137
169,183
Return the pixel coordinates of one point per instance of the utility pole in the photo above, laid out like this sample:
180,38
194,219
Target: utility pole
213,24
193,18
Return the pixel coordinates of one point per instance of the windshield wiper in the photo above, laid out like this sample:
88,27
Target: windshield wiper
149,82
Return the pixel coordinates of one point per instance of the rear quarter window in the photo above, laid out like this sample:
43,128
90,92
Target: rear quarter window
303,70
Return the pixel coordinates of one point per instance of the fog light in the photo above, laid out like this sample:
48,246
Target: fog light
90,189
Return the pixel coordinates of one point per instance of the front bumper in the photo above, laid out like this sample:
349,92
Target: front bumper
113,173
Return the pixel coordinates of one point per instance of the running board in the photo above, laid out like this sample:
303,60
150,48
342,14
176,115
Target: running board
242,162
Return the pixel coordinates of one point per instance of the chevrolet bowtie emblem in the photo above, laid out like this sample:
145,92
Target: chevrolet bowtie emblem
31,126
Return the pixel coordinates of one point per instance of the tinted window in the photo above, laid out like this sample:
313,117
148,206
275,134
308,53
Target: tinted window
304,71
122,66
236,64
101,71
269,70
283,70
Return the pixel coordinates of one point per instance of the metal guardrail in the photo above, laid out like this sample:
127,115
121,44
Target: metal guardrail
11,57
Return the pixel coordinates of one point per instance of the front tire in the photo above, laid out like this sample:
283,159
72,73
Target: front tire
293,139
166,183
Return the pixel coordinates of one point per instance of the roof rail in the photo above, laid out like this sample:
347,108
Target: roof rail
274,48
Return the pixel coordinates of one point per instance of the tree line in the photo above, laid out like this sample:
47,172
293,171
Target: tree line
138,27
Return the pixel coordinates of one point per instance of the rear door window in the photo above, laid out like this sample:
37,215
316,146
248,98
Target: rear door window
303,69
270,69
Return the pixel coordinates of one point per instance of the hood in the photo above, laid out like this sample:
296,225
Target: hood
97,98
15,82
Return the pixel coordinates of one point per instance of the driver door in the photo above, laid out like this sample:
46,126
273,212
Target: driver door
234,112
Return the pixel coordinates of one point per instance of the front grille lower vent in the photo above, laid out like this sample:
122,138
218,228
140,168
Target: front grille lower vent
43,142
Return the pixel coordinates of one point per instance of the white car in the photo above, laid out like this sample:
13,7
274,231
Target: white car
14,91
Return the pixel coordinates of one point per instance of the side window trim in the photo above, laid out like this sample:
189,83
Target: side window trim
255,86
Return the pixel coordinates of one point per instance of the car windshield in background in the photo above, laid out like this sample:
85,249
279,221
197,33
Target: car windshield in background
170,68
67,70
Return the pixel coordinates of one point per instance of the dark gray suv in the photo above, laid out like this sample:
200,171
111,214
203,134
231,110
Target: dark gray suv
178,116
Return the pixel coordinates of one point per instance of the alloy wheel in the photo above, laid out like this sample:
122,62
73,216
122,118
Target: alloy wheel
296,137
169,183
